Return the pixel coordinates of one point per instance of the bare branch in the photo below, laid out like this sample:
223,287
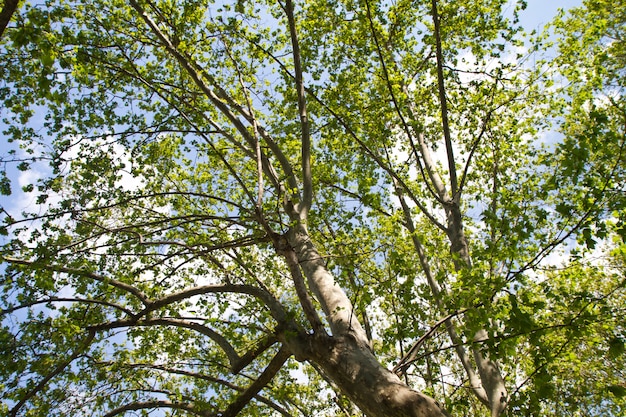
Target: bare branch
301,290
260,347
443,102
405,126
435,288
307,179
255,131
337,306
370,152
411,355
265,378
217,98
126,201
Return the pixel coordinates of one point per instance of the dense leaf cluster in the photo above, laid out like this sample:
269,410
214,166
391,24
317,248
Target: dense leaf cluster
462,180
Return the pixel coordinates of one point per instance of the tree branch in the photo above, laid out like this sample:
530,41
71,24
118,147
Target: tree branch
411,355
68,300
265,378
196,75
307,179
8,10
274,306
371,153
255,130
143,405
435,288
57,370
227,384
334,301
302,291
437,193
82,273
443,101
231,354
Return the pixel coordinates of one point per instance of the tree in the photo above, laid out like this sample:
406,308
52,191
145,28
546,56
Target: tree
8,9
303,208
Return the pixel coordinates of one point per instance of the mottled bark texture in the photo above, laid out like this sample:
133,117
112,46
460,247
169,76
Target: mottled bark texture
345,356
375,390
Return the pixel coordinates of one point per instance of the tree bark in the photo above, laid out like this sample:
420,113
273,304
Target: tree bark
8,10
377,391
346,357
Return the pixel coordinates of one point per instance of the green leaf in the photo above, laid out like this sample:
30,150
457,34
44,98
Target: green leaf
5,184
462,174
47,57
617,390
616,347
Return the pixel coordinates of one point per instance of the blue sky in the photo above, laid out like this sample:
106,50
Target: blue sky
537,14
540,12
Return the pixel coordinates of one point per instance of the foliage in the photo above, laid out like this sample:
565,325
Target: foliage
458,176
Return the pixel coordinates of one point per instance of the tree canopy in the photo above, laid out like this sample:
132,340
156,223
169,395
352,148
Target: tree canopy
303,208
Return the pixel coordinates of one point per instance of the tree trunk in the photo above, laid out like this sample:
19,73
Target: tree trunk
377,391
346,357
489,371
